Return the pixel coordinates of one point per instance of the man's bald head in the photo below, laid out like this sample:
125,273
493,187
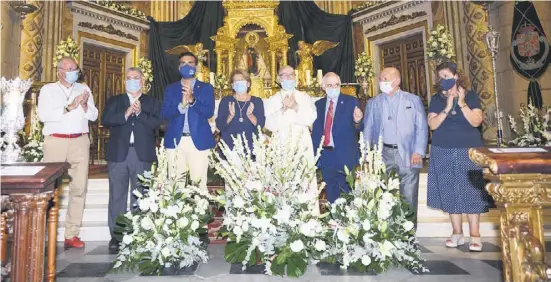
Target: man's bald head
330,80
391,75
286,70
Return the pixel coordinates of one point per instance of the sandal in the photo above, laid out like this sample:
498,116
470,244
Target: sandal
455,240
476,244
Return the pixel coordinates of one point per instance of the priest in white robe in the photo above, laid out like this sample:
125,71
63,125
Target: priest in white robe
291,113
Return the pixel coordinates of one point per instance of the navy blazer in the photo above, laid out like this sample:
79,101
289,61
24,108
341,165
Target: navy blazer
144,126
345,131
199,114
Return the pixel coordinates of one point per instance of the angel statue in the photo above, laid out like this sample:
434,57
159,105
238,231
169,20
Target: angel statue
203,72
251,59
305,52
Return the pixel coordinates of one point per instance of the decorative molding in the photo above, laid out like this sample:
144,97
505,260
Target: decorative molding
108,29
395,20
108,15
389,12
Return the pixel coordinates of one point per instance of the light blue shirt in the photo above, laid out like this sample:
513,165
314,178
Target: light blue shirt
331,144
390,115
183,111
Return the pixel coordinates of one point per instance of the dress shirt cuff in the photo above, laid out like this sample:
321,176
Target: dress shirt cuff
421,153
182,109
192,104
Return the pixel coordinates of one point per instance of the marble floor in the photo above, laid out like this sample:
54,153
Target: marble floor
94,263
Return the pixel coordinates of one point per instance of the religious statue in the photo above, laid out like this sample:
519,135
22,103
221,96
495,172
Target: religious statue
203,71
251,60
305,53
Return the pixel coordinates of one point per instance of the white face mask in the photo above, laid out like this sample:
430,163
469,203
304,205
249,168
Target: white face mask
385,86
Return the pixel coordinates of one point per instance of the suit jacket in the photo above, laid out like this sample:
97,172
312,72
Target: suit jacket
199,114
345,131
412,128
144,126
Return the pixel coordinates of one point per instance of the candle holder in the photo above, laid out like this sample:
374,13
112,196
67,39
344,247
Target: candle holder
492,42
22,8
13,119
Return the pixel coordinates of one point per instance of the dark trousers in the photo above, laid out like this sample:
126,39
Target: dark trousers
333,175
121,174
409,177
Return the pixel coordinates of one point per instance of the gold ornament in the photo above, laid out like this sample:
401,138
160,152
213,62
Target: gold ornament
306,52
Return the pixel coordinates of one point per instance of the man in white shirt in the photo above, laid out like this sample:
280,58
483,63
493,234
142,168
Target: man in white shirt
65,107
291,112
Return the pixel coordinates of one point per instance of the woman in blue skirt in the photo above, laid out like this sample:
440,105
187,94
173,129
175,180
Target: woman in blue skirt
455,183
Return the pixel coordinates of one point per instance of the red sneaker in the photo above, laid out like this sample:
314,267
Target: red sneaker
74,243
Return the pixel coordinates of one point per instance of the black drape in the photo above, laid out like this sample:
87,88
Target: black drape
530,52
307,22
202,22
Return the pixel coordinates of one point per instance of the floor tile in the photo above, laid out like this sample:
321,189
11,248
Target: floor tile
495,263
442,267
100,250
86,270
424,250
327,269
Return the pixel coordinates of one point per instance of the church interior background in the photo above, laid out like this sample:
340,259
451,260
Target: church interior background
392,33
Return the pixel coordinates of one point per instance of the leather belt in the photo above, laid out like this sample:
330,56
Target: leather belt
186,134
390,146
328,148
67,135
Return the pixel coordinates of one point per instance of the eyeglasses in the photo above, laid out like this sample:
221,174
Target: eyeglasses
287,75
333,86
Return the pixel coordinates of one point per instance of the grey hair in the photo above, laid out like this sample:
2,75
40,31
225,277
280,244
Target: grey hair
136,69
285,67
60,61
328,75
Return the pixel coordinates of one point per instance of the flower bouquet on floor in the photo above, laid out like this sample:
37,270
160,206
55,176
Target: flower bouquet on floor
167,230
33,150
370,227
535,127
270,217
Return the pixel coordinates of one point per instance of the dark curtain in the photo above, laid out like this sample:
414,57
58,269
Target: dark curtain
202,22
307,22
530,53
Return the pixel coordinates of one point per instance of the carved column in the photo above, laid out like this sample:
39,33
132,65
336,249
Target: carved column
480,60
22,205
53,20
165,10
218,61
3,237
30,62
37,235
284,57
52,234
453,20
274,66
231,55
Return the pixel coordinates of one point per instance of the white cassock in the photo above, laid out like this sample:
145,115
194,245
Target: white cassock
291,123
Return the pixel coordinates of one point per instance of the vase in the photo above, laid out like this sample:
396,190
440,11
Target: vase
13,94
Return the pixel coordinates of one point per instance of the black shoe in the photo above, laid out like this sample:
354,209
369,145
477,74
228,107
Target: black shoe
113,246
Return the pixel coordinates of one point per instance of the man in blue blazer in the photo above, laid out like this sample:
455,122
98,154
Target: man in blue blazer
132,119
399,118
339,121
188,105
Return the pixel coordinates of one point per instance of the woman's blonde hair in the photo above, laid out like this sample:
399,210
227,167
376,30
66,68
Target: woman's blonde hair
462,79
243,73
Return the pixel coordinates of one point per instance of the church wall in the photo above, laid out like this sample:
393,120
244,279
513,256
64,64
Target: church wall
512,87
10,42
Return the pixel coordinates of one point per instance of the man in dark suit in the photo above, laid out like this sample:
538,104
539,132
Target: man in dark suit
132,120
339,121
188,105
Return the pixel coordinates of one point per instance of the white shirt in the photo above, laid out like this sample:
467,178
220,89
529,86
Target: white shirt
53,99
132,100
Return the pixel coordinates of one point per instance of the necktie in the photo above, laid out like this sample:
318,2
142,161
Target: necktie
328,125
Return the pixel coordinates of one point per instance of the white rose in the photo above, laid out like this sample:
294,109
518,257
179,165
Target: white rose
182,222
357,202
297,246
127,239
147,223
154,207
366,225
434,44
237,231
165,252
238,202
366,260
408,225
320,245
343,236
194,225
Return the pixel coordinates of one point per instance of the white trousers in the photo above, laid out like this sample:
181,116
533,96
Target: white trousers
187,159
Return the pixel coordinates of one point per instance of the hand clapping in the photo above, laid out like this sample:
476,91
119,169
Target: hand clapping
137,107
250,109
289,102
187,95
358,115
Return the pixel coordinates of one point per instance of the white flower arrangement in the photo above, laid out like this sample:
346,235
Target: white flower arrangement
535,127
167,229
66,48
363,67
145,65
270,217
440,45
370,226
33,150
126,9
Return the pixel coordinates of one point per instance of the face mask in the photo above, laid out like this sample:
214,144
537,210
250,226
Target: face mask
447,84
288,84
240,87
71,76
333,93
385,86
187,71
133,85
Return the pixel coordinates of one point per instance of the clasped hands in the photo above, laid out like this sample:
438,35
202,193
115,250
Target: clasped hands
289,102
187,95
80,100
452,94
135,108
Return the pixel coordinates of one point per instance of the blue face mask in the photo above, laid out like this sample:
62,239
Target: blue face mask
447,84
240,87
133,85
187,71
71,76
288,84
333,93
